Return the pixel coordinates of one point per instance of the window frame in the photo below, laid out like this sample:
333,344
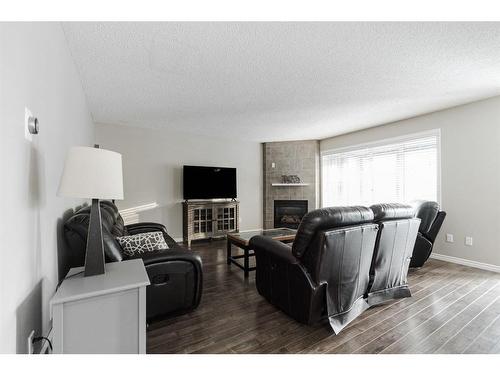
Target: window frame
384,142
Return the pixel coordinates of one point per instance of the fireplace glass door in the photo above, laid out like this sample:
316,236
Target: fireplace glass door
289,213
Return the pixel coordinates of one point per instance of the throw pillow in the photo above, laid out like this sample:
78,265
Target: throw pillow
142,243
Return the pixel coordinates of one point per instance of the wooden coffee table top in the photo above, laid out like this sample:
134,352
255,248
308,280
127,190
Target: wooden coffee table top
279,234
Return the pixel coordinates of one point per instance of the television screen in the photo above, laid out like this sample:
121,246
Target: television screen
209,182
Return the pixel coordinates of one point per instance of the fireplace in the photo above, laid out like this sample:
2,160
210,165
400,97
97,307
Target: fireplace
289,213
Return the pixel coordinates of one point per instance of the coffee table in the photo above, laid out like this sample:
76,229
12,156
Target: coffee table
242,240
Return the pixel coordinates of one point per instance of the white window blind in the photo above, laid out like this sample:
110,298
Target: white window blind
400,170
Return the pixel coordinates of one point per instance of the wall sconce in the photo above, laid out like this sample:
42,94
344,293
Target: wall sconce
33,125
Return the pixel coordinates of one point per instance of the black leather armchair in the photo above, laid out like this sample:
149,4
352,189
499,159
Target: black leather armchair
325,274
431,221
175,274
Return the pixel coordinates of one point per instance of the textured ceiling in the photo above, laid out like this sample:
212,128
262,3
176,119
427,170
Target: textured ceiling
280,81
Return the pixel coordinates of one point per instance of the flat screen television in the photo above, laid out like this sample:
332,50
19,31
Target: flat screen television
209,182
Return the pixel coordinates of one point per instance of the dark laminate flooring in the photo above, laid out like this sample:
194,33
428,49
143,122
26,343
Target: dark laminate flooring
454,309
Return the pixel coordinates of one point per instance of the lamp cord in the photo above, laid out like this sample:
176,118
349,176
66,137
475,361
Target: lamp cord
40,338
68,277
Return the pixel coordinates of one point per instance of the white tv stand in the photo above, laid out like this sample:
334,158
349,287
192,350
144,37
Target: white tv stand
209,219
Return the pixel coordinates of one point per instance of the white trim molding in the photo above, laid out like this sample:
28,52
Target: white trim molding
466,262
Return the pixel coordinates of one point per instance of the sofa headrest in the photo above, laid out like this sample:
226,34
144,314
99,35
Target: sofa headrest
111,208
327,218
110,216
391,211
117,226
427,212
79,223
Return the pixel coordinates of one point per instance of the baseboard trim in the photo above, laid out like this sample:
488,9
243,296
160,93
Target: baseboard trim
466,262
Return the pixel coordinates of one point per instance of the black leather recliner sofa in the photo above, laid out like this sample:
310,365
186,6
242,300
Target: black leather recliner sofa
343,260
175,274
333,248
431,221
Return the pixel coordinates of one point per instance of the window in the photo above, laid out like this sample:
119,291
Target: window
396,170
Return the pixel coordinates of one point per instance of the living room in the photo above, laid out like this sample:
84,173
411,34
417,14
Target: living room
251,188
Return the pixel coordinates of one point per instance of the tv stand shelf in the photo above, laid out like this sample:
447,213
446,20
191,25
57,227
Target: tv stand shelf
209,219
290,184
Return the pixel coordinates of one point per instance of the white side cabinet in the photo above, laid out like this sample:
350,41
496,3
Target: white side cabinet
101,314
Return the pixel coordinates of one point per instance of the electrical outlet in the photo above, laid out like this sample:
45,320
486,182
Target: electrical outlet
468,241
273,165
29,342
449,237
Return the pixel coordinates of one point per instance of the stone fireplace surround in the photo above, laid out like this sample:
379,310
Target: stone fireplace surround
299,158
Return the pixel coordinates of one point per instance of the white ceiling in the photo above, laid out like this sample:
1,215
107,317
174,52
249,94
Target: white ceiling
280,81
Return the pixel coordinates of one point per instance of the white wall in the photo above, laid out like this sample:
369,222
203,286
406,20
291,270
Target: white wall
36,71
470,168
152,170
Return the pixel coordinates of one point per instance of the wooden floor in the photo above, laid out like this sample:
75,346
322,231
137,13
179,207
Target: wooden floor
454,309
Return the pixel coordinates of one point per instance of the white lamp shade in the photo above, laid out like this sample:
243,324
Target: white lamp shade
92,173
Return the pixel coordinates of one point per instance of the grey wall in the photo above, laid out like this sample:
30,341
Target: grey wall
470,173
152,170
36,71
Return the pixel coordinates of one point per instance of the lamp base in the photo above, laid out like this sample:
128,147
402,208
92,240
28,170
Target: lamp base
94,255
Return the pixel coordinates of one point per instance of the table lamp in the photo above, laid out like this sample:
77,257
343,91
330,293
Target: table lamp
92,173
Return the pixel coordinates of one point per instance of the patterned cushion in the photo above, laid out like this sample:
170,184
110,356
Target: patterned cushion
142,243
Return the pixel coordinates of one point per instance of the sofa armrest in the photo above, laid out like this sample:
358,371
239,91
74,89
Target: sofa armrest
169,255
281,279
176,279
272,247
145,227
421,251
435,227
